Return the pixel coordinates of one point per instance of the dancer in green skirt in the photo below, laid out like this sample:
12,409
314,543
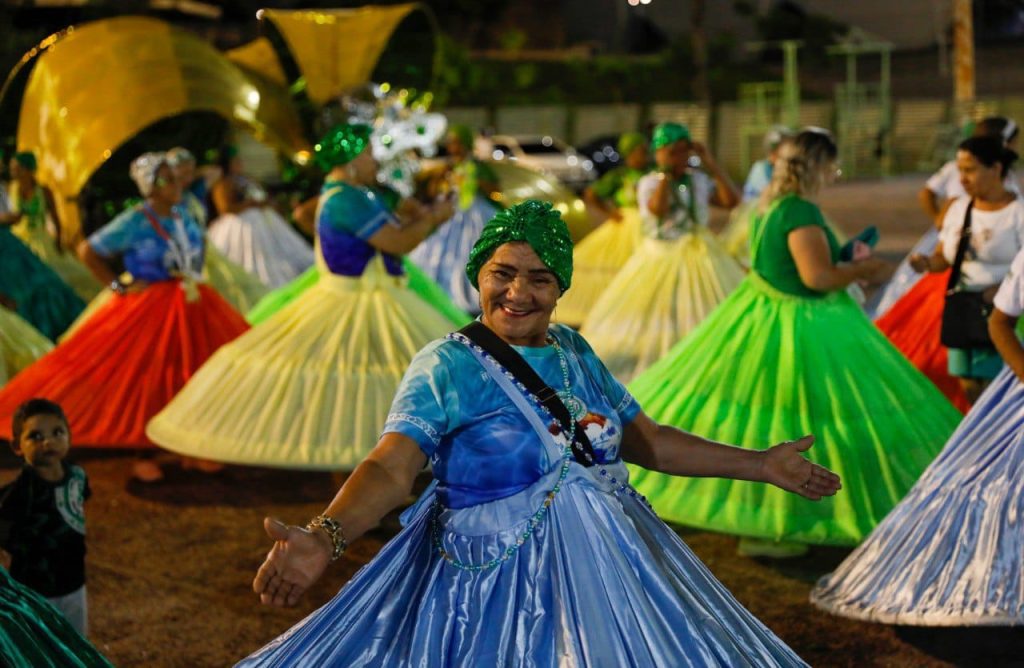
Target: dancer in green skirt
790,352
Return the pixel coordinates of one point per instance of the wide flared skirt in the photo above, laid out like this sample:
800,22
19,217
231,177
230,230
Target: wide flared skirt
21,344
64,264
311,386
126,362
914,323
768,367
237,286
902,280
233,282
952,552
735,236
39,294
601,582
263,243
417,282
34,634
665,290
595,262
443,255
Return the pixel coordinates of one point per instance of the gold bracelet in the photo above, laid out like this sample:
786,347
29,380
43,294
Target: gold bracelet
332,528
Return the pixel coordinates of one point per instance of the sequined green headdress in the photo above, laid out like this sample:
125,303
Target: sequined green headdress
537,224
668,133
342,144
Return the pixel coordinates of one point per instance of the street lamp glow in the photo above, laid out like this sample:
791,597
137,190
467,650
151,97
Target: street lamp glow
645,2
633,3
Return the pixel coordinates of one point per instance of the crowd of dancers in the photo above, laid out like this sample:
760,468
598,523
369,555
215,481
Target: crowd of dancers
591,398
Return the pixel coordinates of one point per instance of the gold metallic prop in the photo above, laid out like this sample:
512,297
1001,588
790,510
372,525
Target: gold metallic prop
337,49
258,56
104,82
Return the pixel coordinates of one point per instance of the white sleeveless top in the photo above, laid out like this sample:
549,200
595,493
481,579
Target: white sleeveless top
996,238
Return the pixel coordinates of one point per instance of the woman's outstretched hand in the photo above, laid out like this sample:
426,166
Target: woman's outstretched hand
297,560
785,467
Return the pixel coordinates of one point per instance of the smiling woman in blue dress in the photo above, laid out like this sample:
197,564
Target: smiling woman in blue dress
530,548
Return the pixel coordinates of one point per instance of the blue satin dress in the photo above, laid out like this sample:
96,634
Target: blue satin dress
952,552
600,581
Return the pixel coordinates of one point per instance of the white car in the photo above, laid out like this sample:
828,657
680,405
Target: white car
545,154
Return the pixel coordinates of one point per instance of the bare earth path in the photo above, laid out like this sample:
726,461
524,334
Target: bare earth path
170,565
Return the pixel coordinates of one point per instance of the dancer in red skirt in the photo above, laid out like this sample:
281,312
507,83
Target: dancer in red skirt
133,355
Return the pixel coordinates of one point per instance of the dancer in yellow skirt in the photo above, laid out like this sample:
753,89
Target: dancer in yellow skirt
31,204
679,273
20,343
603,252
310,386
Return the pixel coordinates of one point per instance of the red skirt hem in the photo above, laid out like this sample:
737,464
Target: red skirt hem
913,325
126,362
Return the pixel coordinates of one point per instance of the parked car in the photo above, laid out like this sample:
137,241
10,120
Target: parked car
602,152
545,154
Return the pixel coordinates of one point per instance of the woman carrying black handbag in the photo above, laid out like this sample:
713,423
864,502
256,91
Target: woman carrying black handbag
981,234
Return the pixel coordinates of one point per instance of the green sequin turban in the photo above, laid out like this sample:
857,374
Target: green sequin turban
669,133
463,133
629,141
342,144
537,224
26,159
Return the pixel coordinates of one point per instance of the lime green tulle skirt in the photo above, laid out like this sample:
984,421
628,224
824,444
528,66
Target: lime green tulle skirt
419,283
767,367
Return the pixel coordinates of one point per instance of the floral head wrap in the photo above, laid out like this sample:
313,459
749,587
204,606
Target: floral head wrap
534,222
342,144
143,171
179,155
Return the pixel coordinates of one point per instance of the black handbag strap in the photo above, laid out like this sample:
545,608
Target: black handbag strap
961,250
506,355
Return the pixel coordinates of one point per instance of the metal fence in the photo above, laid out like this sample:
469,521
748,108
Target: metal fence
920,135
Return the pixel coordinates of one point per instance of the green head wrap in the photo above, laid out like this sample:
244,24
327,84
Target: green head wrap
26,159
537,224
342,144
629,141
463,133
668,133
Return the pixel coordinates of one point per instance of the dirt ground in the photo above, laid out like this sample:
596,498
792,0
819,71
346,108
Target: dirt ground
170,565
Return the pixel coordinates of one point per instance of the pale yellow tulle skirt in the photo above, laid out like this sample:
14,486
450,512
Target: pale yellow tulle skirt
311,386
735,236
65,264
665,290
20,344
236,285
240,288
596,260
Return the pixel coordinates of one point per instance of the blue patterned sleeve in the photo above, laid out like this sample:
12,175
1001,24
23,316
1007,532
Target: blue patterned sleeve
618,396
426,403
117,236
355,211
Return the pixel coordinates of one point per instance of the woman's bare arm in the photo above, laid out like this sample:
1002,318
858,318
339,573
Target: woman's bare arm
96,263
813,258
669,450
1002,329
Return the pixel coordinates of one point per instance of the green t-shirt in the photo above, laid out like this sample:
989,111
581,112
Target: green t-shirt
769,243
618,185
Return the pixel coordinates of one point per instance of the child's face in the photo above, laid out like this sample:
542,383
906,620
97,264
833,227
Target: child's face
44,440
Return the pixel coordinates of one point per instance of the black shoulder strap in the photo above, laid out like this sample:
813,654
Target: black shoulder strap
961,249
506,355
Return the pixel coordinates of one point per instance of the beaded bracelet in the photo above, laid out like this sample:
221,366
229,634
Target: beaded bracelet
332,528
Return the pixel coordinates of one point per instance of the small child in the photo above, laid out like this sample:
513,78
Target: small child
42,523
